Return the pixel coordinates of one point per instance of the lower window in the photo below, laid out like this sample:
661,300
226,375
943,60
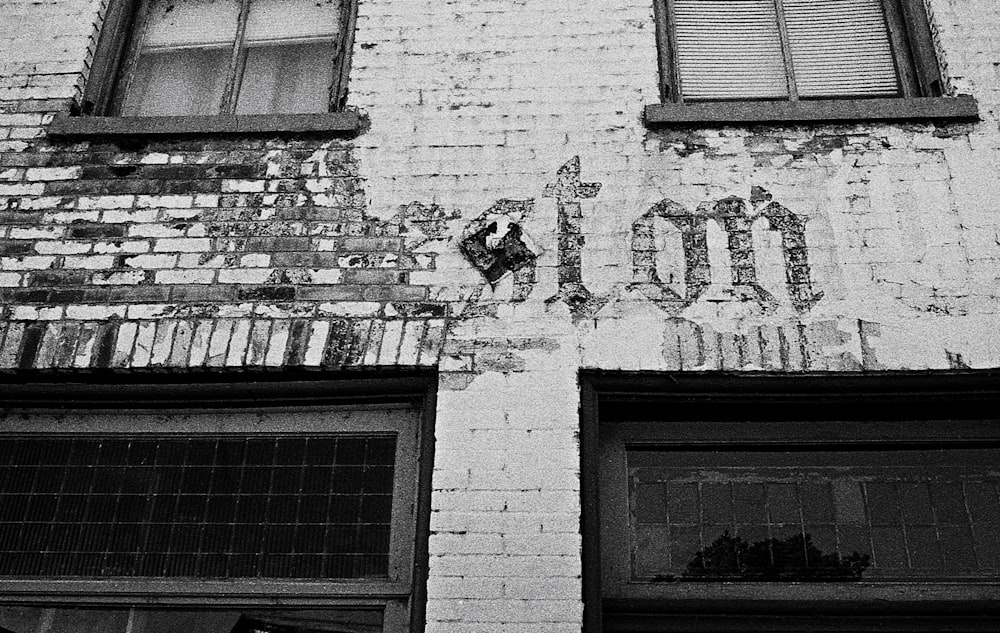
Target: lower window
297,509
772,503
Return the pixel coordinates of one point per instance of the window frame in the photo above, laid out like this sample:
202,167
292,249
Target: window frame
98,111
402,596
918,71
612,605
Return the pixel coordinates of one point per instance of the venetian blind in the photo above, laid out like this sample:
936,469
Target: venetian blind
732,49
840,48
729,49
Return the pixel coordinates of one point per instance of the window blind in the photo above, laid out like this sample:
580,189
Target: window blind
733,49
729,49
840,48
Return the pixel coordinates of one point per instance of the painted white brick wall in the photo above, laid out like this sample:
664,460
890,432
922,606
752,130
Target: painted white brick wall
477,100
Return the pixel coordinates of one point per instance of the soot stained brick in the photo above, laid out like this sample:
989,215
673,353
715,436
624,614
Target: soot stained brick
215,292
30,344
16,247
171,172
266,293
181,187
342,339
370,276
57,278
94,229
123,171
234,171
105,346
139,294
282,243
98,172
421,310
75,187
25,295
67,295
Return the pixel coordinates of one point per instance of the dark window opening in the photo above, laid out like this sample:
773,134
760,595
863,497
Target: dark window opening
766,515
765,503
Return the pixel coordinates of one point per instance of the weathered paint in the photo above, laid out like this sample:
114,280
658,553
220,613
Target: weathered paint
789,248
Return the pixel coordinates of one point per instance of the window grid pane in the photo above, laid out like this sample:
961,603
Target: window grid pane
223,507
804,517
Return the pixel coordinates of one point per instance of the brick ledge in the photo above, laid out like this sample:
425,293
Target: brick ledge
960,108
341,123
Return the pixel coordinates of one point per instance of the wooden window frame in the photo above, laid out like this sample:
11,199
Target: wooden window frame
402,596
921,84
99,108
611,398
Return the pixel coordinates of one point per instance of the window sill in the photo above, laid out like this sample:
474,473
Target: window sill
961,108
341,123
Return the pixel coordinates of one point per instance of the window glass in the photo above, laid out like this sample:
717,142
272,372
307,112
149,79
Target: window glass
729,49
218,507
290,49
288,21
766,515
840,48
184,58
759,49
286,78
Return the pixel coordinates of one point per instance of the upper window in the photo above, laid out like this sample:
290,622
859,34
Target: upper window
718,505
212,57
746,60
288,516
792,49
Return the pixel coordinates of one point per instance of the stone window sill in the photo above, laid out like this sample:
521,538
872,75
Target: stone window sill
961,108
340,123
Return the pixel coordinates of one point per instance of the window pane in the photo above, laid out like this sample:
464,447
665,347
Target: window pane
840,48
203,509
729,49
288,20
812,515
286,79
184,58
186,23
290,50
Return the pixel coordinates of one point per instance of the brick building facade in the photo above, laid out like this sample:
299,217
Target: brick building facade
496,210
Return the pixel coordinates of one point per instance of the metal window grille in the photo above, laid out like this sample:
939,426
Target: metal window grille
278,506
